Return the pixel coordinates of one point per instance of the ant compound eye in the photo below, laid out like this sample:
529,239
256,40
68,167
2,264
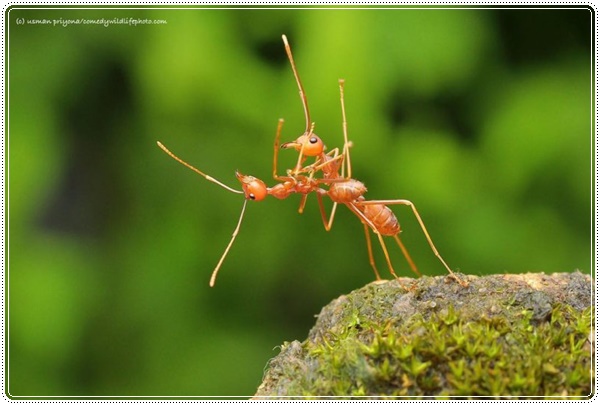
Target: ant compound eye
252,196
314,140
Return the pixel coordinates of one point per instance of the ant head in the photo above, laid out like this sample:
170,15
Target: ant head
309,143
254,189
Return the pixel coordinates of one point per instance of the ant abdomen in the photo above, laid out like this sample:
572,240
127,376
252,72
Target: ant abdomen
382,218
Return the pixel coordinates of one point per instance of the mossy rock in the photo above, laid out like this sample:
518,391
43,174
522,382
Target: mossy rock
522,336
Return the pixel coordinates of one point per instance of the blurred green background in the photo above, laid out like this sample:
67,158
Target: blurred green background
481,117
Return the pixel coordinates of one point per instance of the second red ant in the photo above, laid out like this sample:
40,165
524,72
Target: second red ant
375,215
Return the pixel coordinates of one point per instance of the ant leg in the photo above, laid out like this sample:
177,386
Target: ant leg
302,203
429,240
305,196
301,156
412,265
276,154
387,255
189,166
370,250
320,163
330,223
326,223
368,222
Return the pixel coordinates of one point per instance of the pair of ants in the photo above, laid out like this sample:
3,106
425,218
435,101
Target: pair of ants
330,175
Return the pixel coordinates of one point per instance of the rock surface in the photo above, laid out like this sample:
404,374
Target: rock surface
520,335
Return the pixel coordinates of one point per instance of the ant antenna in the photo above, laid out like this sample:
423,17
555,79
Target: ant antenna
347,144
213,277
288,50
209,178
189,166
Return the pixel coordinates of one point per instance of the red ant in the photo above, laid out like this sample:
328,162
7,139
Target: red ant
342,188
253,189
256,190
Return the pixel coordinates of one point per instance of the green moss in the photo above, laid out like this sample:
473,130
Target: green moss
443,356
530,345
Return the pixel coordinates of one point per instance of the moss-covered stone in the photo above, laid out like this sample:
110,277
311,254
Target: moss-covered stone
504,335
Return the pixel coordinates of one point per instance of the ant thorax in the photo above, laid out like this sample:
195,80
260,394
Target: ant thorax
331,167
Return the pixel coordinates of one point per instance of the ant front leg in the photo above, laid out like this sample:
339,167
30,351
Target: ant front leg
327,163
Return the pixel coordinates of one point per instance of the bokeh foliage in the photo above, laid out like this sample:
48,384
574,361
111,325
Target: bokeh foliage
482,117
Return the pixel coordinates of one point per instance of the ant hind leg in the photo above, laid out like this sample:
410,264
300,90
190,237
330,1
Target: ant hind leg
370,250
412,265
